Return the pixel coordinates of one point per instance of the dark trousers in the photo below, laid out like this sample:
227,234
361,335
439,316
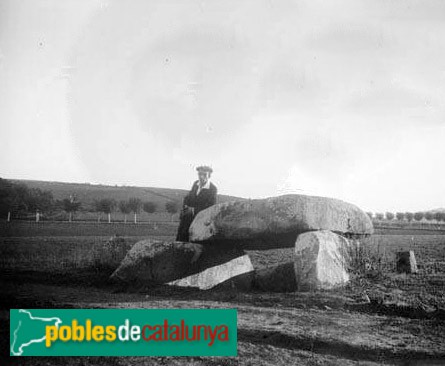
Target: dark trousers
185,220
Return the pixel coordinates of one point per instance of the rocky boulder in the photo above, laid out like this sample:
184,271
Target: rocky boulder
406,262
275,222
154,262
321,260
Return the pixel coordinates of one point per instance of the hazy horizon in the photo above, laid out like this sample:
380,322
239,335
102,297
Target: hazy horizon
344,99
182,188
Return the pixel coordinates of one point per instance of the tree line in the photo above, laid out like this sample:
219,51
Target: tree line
133,205
408,216
17,199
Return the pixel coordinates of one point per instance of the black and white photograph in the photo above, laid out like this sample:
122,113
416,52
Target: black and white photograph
272,171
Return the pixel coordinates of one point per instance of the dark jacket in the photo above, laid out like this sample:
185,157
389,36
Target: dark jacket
205,198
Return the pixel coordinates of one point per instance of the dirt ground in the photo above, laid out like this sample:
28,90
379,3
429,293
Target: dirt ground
402,323
273,329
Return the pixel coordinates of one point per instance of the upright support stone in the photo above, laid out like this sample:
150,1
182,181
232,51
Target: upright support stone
406,262
321,260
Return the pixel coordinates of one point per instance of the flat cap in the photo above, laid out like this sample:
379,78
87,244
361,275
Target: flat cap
204,168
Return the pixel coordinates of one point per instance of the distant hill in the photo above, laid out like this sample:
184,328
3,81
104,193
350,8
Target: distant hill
87,193
437,210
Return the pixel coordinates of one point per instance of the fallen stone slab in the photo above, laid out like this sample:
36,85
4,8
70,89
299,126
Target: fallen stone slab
275,222
321,260
154,262
236,273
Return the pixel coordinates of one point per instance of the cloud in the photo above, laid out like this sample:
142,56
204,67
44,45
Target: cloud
342,98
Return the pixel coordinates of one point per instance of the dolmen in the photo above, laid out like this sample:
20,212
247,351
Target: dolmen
321,230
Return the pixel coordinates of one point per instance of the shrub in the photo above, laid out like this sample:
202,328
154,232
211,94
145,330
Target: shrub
366,260
149,207
379,216
409,216
418,216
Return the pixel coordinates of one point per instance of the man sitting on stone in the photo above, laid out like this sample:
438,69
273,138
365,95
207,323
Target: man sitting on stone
201,196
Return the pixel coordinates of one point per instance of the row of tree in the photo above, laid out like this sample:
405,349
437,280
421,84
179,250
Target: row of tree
409,216
18,199
133,205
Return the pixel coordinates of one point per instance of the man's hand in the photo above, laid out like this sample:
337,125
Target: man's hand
186,209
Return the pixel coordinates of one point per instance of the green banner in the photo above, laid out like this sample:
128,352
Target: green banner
123,332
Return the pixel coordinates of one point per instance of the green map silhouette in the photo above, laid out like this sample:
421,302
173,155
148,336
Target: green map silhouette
30,329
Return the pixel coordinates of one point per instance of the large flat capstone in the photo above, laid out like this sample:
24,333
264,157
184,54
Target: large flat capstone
154,262
321,260
276,222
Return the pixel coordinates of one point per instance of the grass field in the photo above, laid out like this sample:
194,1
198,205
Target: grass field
75,249
80,229
404,322
156,224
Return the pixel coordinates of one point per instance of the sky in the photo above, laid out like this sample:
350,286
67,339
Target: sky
344,99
